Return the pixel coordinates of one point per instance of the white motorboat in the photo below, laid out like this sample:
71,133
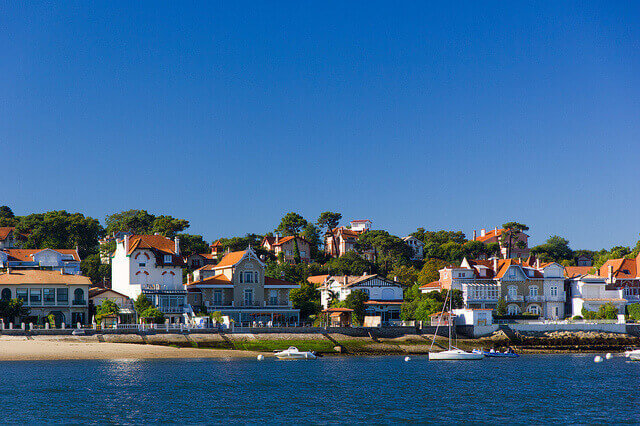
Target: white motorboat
633,355
453,353
294,353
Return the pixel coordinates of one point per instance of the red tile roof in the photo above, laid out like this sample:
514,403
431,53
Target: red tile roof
622,268
317,279
157,242
574,271
26,255
220,279
230,259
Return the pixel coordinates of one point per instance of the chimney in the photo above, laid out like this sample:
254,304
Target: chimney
495,231
537,263
610,274
395,278
62,271
177,245
277,237
483,232
345,280
126,243
8,269
495,265
474,235
188,279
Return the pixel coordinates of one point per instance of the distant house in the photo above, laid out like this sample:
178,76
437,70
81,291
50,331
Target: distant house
287,246
519,238
65,296
97,295
151,265
591,292
584,261
9,237
198,260
623,274
237,287
417,247
342,239
67,260
385,296
216,248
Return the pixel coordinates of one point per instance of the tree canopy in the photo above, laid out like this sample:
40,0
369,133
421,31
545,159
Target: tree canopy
291,224
556,249
142,222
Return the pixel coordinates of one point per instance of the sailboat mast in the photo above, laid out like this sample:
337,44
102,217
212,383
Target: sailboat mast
449,320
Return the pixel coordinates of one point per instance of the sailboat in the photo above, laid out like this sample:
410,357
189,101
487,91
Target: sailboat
453,353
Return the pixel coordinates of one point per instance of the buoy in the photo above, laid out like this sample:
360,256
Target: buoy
597,359
260,357
608,355
407,359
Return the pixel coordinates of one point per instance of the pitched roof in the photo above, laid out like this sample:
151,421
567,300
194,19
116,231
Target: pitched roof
216,244
360,221
622,268
37,276
574,271
230,259
432,284
490,234
5,231
207,268
353,280
317,279
158,242
220,279
272,240
97,291
26,255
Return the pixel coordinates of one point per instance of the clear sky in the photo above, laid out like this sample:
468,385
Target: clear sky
443,116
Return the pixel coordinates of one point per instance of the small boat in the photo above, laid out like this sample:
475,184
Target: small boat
294,353
633,355
453,353
497,354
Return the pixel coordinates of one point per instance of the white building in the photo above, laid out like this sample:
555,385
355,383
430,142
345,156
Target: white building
385,296
67,260
416,245
150,264
590,292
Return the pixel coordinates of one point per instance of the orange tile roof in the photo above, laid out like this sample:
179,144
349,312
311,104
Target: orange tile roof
26,255
157,242
317,279
619,267
383,302
490,234
432,284
37,276
574,271
220,279
206,268
5,231
230,259
216,244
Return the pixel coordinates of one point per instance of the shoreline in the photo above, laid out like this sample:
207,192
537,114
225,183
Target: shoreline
112,347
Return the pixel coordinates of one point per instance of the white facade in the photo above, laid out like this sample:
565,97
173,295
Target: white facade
378,288
590,292
416,245
475,317
360,225
150,270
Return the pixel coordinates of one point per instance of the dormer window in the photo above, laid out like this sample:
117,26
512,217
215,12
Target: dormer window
167,258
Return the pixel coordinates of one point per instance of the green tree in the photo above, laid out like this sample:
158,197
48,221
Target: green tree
406,275
216,317
7,218
329,221
474,249
355,300
62,230
510,234
92,267
501,307
168,226
10,309
311,234
306,298
141,304
350,263
106,308
556,249
153,315
291,224
142,222
389,249
429,272
608,311
192,244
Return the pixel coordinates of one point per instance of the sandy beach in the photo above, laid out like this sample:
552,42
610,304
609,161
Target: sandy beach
21,348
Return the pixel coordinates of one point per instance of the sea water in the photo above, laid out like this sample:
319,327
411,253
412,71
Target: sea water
375,390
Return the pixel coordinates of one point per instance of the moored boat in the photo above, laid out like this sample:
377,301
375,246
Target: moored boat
633,355
294,353
497,354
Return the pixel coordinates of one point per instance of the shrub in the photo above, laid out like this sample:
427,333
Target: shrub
633,310
578,318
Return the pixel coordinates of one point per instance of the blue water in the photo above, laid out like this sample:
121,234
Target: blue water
530,389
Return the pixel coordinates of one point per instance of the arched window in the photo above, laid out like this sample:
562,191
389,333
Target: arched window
534,309
513,310
513,290
78,295
6,294
533,290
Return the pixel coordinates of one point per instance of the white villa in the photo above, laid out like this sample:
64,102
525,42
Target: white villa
416,245
592,291
67,260
385,296
150,265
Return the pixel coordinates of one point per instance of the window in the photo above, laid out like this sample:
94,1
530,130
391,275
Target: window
534,309
63,295
195,263
22,294
273,297
513,291
167,258
554,291
217,297
248,277
78,296
49,296
142,264
533,290
255,277
512,273
6,294
513,310
248,297
35,296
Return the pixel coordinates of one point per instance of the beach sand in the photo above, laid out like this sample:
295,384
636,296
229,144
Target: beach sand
21,348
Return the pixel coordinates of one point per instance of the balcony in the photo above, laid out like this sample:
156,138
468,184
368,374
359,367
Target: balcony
537,298
556,298
79,302
172,309
514,298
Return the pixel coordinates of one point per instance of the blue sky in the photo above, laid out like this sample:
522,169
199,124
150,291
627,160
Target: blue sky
443,116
